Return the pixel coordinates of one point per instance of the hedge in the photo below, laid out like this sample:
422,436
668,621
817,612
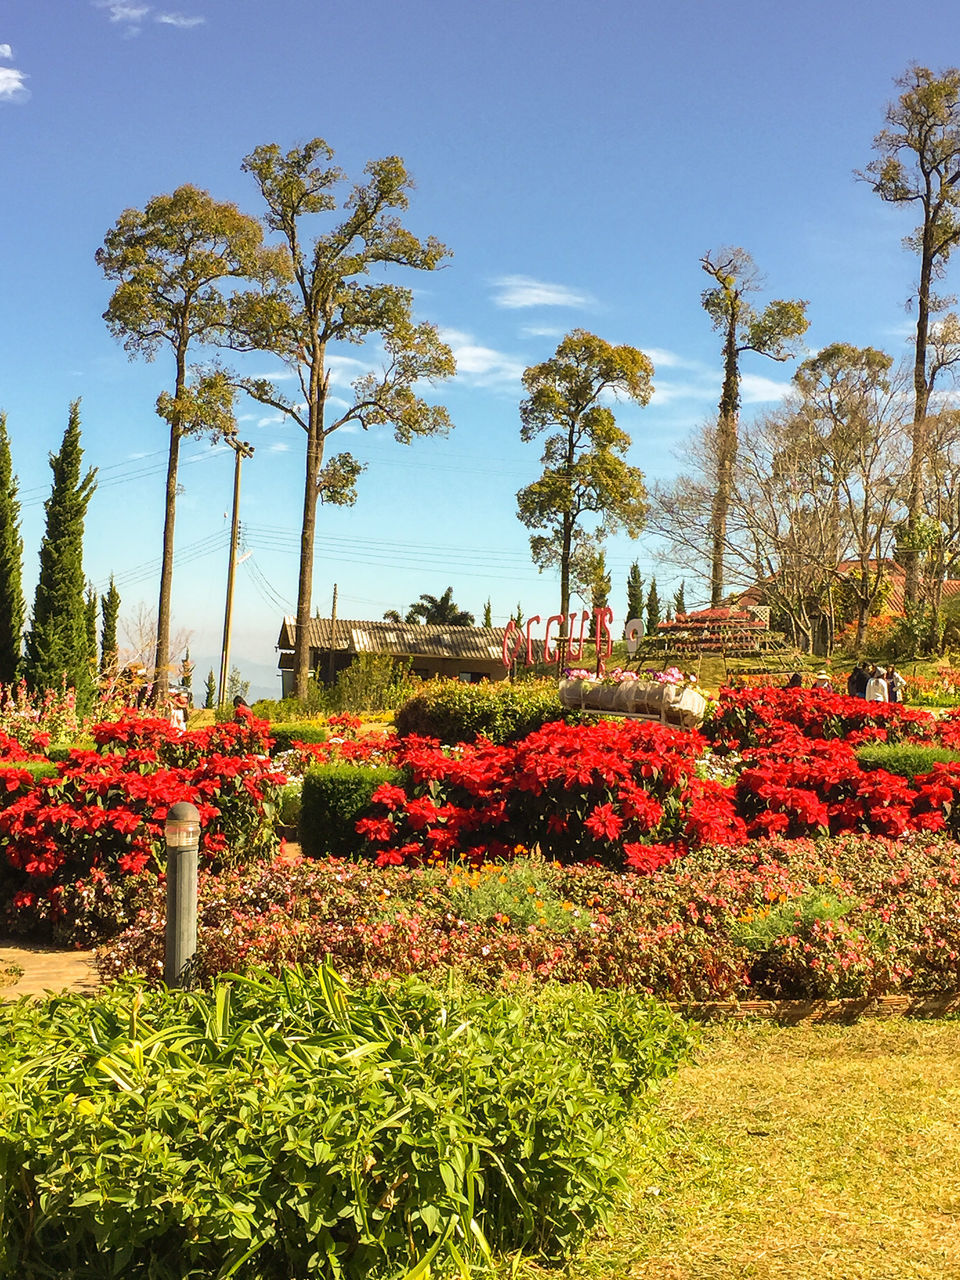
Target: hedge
334,798
286,733
909,760
498,710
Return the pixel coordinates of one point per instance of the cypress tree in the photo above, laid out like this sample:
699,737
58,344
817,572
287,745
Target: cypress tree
635,596
488,613
210,690
109,613
91,605
12,609
57,639
186,676
654,615
679,602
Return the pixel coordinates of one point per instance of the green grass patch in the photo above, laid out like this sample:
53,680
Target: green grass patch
909,760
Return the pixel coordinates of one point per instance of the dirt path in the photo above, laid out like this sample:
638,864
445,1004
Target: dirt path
46,969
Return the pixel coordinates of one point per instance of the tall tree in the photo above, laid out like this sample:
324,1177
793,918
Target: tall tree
57,640
774,333
635,595
654,613
679,600
90,610
109,613
315,296
584,458
12,610
210,690
186,676
918,164
488,613
169,259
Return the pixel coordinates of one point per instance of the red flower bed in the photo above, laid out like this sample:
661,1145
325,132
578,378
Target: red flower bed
69,842
615,793
745,717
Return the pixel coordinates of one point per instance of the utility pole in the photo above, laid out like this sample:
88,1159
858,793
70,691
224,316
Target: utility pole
331,661
241,450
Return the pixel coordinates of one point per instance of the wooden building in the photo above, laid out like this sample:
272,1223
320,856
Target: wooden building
470,654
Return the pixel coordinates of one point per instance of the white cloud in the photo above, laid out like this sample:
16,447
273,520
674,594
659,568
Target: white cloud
482,366
271,420
12,86
6,52
131,14
540,331
178,20
755,389
279,447
346,369
663,359
524,291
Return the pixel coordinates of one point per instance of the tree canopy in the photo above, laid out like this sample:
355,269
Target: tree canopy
585,471
317,293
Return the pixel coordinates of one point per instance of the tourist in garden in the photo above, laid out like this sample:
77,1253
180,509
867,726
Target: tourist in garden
857,682
795,681
822,682
895,684
876,686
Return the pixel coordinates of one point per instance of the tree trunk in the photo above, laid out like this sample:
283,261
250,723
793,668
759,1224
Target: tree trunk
315,442
918,433
726,456
161,659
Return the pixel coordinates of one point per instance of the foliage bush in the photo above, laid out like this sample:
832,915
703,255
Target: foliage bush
498,710
908,759
334,797
176,1134
285,732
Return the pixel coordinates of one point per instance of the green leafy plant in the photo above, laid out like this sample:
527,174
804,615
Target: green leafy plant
910,760
183,1135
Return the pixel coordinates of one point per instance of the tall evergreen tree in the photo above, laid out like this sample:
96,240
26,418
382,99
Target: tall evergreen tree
600,580
11,565
488,613
186,676
109,613
90,609
57,639
679,602
654,615
210,690
635,596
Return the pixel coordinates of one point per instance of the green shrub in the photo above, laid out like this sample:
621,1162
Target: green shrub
276,1128
910,760
61,750
498,710
288,806
36,768
285,733
335,797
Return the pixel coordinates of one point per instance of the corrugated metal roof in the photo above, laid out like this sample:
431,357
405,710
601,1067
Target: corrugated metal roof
402,640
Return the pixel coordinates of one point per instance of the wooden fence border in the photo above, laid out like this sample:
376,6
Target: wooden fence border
792,1012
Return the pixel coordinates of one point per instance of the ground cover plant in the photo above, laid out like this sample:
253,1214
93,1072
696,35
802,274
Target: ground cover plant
176,1134
849,916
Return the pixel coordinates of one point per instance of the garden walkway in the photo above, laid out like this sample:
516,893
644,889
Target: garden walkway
46,969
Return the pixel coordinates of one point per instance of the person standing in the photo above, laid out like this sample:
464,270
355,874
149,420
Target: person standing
876,686
856,682
822,682
895,684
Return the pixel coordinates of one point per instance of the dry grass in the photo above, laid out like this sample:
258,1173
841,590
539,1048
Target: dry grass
805,1153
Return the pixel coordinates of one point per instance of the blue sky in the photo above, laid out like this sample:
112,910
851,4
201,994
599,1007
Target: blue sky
577,159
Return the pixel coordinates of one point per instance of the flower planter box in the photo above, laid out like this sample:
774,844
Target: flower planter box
681,705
